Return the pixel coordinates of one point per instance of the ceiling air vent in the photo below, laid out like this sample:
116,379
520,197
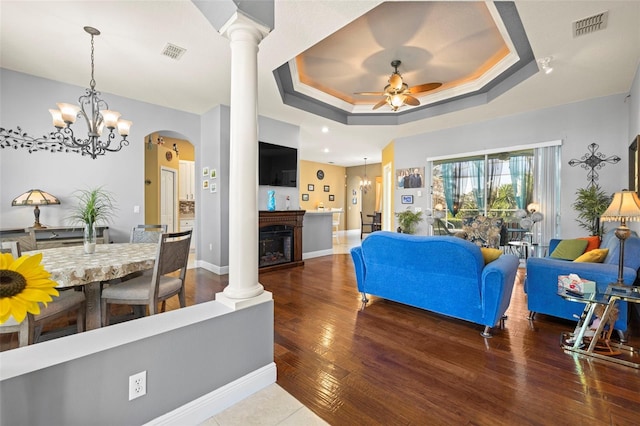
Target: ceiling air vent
591,24
173,51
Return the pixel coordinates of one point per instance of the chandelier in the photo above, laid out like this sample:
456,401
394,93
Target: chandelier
96,114
365,183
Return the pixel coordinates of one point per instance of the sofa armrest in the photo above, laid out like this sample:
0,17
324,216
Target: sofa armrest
602,273
358,262
498,278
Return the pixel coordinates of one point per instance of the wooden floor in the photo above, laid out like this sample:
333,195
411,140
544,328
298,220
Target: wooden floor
395,365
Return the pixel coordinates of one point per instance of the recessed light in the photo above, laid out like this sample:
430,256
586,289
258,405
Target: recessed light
325,129
325,150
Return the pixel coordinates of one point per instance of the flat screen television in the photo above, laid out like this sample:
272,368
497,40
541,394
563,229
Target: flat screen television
277,165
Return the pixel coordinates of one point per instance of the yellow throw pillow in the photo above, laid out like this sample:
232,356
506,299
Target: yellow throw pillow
490,254
593,256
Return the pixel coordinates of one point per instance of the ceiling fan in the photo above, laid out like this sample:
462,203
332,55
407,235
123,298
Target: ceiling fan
398,93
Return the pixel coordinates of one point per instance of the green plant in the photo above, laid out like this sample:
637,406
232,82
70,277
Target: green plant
93,206
590,203
408,220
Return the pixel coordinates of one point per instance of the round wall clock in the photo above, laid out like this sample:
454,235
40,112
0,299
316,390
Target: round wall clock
169,155
320,174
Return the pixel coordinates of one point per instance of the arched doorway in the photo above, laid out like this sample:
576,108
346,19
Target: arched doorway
170,192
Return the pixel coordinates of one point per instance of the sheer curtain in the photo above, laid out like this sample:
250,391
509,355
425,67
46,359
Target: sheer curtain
546,192
520,168
452,180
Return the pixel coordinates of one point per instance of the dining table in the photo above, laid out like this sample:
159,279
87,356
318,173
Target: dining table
70,266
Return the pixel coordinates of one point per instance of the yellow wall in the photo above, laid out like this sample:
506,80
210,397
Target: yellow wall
388,157
154,158
334,177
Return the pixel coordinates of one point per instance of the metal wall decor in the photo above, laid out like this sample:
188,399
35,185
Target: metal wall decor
96,115
593,161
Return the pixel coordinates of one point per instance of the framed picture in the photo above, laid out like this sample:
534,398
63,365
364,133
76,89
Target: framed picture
327,188
310,187
634,165
205,184
213,174
412,177
354,200
407,199
331,197
205,171
305,197
213,188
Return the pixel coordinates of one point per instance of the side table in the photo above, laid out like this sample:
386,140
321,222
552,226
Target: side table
607,299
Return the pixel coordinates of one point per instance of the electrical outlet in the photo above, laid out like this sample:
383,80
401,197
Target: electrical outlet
137,385
417,209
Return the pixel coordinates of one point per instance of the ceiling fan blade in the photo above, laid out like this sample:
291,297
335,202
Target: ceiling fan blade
370,93
379,104
424,87
410,100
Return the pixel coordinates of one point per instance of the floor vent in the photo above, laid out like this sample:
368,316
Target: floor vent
173,51
591,24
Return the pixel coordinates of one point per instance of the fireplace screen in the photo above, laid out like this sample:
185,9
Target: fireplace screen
276,245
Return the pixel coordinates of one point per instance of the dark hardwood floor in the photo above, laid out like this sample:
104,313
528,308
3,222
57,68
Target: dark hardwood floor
392,364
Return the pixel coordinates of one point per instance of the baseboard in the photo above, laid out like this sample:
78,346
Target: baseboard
218,270
199,410
318,253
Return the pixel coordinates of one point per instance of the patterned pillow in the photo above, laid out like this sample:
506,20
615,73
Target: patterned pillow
483,231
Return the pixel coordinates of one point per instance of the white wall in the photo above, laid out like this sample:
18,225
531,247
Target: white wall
604,121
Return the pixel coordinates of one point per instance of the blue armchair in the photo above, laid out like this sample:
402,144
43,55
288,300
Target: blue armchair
541,284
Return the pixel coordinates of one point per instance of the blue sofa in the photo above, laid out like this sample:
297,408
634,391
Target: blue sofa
541,284
446,275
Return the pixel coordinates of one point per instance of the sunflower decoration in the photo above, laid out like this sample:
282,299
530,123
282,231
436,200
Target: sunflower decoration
23,284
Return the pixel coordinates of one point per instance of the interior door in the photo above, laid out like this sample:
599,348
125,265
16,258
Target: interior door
168,198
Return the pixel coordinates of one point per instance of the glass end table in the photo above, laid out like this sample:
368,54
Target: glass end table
575,342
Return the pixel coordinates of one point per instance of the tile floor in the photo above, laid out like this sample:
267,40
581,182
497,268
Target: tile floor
269,407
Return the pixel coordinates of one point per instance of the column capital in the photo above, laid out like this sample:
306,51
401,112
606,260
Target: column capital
240,21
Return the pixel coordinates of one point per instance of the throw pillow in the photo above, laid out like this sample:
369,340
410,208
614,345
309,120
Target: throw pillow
483,231
593,256
490,254
593,242
569,249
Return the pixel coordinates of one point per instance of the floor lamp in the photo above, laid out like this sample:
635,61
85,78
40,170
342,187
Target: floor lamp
624,207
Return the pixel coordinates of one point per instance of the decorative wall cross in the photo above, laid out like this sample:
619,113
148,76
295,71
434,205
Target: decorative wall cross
593,160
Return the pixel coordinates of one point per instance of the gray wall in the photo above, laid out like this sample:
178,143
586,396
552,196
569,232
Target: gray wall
182,364
25,102
604,121
634,107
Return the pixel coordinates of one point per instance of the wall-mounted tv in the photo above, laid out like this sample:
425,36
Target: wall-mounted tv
277,165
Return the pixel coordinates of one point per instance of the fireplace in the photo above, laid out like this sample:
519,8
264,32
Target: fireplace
280,239
275,245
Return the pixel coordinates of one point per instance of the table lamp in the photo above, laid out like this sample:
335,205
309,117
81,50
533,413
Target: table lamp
35,197
624,207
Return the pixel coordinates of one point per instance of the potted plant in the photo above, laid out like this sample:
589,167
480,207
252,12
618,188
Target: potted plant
93,206
408,221
590,203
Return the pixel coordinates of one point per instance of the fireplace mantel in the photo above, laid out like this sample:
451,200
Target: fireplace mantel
293,218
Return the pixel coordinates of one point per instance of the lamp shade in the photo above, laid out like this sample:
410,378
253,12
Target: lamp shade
34,197
625,206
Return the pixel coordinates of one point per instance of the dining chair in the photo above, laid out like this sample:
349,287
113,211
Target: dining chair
147,233
337,212
371,225
30,328
172,256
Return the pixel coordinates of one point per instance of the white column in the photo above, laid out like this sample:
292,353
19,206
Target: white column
243,289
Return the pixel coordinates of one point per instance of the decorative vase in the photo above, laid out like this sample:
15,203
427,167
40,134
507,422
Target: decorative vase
90,238
271,200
